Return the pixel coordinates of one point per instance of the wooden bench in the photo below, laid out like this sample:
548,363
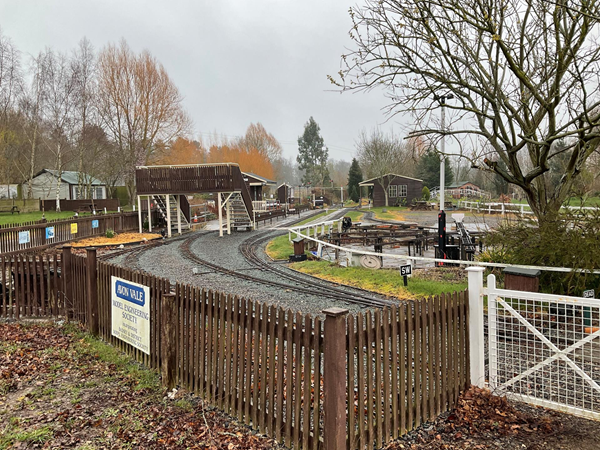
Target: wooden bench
12,209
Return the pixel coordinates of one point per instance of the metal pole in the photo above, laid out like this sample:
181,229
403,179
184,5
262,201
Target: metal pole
443,157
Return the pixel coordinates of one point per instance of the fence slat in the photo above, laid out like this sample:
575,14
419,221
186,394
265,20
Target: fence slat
297,378
351,346
360,327
280,373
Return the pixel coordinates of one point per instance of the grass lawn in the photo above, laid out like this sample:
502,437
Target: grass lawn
16,219
384,281
281,247
356,216
393,212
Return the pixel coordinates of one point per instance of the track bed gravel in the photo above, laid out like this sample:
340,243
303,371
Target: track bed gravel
167,261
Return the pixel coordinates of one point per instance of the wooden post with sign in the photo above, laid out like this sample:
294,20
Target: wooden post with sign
405,271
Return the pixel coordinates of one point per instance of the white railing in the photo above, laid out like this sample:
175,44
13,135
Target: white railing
504,208
543,349
259,205
464,192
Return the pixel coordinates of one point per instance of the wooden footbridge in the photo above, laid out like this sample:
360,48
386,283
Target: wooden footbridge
166,185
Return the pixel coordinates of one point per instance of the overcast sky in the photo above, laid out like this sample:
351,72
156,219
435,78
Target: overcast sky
235,61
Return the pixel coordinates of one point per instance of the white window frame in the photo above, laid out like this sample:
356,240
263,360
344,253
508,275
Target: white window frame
393,193
403,188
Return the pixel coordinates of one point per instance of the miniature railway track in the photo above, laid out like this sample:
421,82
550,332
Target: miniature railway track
248,248
306,286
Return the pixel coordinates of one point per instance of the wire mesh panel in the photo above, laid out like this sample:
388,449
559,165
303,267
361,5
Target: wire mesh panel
545,349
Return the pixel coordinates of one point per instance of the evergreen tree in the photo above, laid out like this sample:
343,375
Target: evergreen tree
312,155
354,177
428,169
354,194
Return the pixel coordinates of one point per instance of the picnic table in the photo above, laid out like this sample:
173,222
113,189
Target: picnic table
12,209
421,206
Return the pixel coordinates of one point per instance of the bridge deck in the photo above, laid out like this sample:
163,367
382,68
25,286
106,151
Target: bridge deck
188,179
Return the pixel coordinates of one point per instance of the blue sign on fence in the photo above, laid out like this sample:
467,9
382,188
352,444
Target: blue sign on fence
24,237
49,232
94,223
130,292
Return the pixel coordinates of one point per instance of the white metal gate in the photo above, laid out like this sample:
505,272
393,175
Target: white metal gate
544,349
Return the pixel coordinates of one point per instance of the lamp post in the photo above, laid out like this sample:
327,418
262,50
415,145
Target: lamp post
442,214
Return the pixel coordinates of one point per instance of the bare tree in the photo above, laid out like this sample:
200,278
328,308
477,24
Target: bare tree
31,107
257,137
59,111
523,73
139,104
379,155
84,72
10,87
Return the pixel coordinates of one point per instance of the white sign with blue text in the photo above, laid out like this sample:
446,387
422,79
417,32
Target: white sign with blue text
130,313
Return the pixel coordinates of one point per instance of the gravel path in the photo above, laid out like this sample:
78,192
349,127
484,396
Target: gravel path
167,261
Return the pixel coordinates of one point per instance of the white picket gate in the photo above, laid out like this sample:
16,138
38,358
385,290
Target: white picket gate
542,349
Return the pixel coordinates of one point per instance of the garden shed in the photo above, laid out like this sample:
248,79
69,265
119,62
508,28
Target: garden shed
402,190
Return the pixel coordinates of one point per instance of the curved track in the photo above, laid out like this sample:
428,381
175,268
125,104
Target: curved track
285,279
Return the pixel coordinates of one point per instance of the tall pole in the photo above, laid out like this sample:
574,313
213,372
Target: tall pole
443,156
442,214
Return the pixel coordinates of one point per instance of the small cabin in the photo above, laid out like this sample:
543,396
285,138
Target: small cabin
257,185
402,190
285,192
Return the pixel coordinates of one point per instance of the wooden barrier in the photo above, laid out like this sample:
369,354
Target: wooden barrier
62,231
290,376
407,364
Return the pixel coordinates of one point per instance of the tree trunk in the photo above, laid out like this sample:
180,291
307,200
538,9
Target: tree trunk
32,163
59,181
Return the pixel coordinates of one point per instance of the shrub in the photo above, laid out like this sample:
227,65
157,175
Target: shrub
570,241
110,233
425,194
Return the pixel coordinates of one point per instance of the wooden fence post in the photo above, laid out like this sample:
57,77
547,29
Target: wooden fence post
92,291
168,340
334,379
67,280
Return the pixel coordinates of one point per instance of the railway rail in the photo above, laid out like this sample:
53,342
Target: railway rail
248,248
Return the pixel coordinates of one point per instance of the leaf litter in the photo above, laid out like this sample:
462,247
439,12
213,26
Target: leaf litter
60,388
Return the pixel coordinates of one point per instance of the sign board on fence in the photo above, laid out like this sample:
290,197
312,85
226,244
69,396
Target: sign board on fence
588,294
73,228
49,232
95,223
130,313
406,270
24,237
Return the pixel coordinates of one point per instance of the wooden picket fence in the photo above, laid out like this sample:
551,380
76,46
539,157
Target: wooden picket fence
63,232
288,375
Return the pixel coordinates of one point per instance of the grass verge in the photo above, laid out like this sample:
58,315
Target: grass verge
392,213
16,219
281,247
385,281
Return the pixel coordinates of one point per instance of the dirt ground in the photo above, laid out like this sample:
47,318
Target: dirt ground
60,388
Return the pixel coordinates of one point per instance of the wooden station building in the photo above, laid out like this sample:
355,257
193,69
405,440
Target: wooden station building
401,190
